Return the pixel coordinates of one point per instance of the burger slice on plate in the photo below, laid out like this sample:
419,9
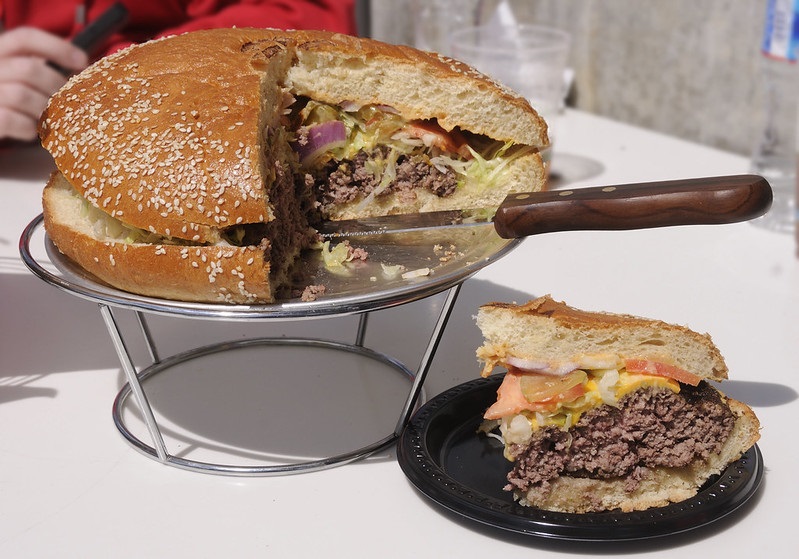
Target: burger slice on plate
194,167
602,412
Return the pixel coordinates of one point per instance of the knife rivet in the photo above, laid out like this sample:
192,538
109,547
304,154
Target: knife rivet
609,189
522,196
566,193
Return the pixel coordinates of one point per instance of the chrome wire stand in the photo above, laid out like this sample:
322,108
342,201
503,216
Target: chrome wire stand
356,296
157,450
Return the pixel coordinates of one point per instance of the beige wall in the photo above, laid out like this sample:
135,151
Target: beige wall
689,68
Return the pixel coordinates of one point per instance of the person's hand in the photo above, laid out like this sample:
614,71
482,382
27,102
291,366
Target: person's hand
27,80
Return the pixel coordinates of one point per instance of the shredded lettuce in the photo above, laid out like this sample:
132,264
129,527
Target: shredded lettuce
486,170
111,229
389,173
235,235
392,270
516,429
484,166
336,255
367,127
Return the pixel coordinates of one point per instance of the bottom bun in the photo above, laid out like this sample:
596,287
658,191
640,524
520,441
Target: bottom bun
660,487
189,273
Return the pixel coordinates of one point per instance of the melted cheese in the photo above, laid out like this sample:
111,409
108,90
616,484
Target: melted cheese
631,381
511,403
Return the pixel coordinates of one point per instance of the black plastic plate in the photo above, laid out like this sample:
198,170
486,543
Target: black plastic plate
443,456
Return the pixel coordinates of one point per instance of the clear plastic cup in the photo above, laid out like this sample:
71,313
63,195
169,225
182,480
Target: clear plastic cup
434,20
529,59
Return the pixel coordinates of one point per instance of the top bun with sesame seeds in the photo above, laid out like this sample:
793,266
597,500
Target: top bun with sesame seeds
243,137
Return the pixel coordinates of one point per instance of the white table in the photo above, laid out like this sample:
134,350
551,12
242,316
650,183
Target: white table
70,486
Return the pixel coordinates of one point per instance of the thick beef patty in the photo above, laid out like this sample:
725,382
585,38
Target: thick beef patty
651,427
343,181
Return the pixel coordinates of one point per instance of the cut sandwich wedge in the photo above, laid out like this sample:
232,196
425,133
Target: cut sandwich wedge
601,411
210,155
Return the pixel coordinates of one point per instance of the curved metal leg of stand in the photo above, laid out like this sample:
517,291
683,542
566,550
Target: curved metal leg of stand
427,358
133,380
363,322
145,331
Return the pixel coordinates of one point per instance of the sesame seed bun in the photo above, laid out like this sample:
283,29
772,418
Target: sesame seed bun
419,84
184,137
548,330
168,135
187,273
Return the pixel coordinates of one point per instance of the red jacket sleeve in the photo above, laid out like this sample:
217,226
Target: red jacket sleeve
330,15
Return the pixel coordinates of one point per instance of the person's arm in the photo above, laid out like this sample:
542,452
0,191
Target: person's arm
27,81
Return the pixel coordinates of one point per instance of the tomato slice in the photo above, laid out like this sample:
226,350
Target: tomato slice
658,369
570,395
540,388
433,134
511,400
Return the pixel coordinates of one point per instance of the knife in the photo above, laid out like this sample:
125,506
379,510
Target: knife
696,201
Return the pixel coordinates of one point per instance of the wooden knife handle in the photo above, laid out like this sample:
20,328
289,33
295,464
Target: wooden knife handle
700,201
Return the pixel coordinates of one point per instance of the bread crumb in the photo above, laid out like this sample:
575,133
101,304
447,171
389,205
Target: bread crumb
416,273
445,255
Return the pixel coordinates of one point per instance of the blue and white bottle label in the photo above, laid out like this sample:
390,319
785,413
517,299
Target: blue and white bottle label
781,31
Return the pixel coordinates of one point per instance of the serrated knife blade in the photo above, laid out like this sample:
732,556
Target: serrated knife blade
695,201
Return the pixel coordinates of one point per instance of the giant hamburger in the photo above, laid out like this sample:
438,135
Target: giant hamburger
194,167
602,411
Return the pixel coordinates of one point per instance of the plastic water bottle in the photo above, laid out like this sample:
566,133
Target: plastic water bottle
775,154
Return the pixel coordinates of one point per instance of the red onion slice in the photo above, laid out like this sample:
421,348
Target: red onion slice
320,138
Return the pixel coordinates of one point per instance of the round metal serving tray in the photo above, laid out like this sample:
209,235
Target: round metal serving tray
437,261
443,258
